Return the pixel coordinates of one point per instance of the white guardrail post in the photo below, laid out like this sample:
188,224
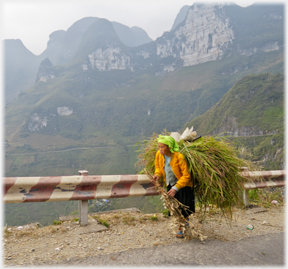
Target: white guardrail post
83,205
245,192
246,198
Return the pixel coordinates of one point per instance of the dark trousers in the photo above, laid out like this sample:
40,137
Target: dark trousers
186,196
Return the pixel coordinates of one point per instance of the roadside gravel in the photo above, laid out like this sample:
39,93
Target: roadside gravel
32,246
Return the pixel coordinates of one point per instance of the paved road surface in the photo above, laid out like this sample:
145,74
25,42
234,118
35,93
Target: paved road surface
264,250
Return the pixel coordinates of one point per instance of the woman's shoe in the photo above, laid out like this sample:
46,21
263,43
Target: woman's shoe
180,235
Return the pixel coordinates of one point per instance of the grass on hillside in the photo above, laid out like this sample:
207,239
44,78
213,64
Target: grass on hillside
255,102
267,151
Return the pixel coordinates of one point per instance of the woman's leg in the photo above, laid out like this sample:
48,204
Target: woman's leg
186,196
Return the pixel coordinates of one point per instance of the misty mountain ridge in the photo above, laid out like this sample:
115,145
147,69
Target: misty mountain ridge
112,95
180,16
241,32
61,48
67,43
187,45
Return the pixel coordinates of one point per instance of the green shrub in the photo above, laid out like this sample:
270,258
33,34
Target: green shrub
166,213
57,222
254,195
104,222
154,217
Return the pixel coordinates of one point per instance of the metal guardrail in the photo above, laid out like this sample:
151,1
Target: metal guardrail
48,189
81,187
270,179
84,187
266,175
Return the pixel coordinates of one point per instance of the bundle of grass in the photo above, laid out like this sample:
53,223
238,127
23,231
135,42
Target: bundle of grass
215,167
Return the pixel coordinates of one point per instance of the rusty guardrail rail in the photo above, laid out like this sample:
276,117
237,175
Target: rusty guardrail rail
83,187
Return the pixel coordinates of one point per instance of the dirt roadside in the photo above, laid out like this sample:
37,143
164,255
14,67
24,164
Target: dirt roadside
127,231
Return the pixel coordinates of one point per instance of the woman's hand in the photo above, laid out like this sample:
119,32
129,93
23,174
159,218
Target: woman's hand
155,178
172,192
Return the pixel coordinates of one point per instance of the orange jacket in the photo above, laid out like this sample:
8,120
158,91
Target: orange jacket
179,168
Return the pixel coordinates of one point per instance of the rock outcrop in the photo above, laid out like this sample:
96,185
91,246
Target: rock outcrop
206,34
45,71
204,37
109,59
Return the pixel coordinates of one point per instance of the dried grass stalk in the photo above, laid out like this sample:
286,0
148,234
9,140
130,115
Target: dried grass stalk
178,220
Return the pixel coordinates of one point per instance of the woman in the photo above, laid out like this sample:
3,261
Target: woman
170,165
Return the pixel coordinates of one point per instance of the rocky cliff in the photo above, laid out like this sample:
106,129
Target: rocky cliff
63,45
45,71
209,32
200,33
205,36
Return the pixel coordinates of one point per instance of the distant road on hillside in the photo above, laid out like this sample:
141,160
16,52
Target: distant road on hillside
62,150
95,147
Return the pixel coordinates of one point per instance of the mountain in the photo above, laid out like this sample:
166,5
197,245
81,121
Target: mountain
180,16
131,37
251,115
61,48
45,71
20,68
203,33
110,95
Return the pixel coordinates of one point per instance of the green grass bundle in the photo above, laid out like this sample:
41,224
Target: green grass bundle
213,164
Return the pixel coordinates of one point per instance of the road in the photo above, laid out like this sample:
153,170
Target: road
62,150
264,250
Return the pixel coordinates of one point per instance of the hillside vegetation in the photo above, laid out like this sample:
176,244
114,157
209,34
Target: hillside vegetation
251,115
120,105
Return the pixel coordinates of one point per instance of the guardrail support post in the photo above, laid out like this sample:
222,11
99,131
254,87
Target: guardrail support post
246,197
83,212
83,205
245,192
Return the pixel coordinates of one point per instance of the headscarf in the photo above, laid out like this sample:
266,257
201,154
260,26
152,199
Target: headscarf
169,141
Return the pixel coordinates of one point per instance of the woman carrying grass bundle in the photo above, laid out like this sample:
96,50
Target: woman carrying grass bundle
170,165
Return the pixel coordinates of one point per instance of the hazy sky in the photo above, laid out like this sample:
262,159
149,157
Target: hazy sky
33,21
